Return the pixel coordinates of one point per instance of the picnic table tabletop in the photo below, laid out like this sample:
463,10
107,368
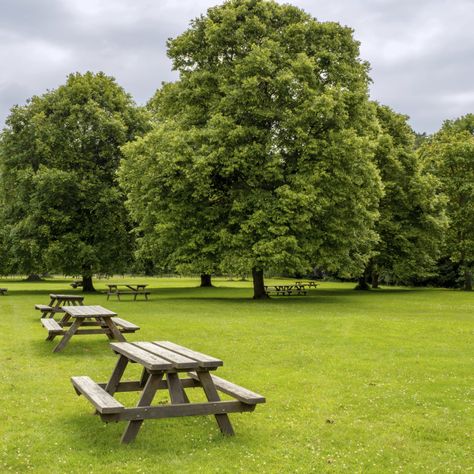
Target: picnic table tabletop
94,311
132,286
162,362
61,297
56,304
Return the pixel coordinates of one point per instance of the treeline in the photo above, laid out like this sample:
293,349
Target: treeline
266,155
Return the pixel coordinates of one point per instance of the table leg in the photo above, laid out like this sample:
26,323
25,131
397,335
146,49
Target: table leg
120,367
72,330
177,393
212,395
148,394
113,328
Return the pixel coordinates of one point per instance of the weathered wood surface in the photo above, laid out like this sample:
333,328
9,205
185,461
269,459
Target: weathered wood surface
52,326
219,408
236,391
150,361
179,357
125,324
93,311
203,360
162,362
103,401
66,297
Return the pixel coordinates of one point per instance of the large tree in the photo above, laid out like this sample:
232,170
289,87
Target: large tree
269,145
449,154
412,218
63,210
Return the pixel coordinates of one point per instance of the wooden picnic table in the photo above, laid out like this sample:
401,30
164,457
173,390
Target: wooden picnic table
3,291
134,289
162,363
310,284
285,290
56,303
93,319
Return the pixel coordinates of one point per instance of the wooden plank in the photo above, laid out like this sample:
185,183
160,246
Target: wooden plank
219,408
148,360
88,311
66,297
177,393
211,393
202,359
103,402
125,324
179,361
137,385
43,307
148,394
113,328
51,325
236,391
117,374
70,332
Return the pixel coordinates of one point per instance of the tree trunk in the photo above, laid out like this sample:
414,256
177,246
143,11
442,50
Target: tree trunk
33,277
258,285
362,282
375,279
467,280
87,286
206,281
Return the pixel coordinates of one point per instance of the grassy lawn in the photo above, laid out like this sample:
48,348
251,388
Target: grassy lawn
355,382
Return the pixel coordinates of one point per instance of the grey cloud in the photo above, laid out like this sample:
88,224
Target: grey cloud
420,51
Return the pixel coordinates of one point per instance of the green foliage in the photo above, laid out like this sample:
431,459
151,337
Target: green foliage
450,156
63,210
412,218
262,151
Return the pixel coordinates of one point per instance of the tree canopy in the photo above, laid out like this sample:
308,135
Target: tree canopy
412,218
62,208
266,140
449,154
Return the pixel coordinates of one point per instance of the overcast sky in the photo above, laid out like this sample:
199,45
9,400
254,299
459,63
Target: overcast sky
421,51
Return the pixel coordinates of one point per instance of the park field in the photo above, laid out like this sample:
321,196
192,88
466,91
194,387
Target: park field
369,382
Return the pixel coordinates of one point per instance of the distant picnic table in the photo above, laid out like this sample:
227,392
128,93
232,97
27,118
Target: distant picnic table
56,303
162,361
135,289
309,284
285,290
76,283
3,291
93,319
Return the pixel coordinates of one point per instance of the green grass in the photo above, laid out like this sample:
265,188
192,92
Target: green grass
355,382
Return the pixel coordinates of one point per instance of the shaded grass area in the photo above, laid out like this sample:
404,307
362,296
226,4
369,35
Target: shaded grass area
355,382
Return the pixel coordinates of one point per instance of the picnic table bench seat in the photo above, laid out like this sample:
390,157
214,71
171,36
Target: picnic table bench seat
240,393
103,402
124,325
44,307
53,327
